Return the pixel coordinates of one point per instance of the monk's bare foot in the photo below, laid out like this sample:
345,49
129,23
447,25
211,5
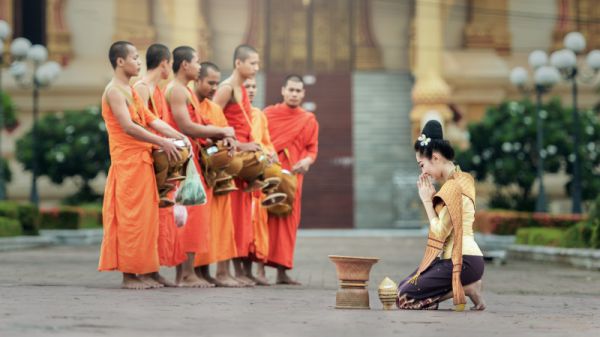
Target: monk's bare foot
474,292
148,279
245,280
227,281
206,283
131,281
160,279
261,280
210,279
283,278
192,281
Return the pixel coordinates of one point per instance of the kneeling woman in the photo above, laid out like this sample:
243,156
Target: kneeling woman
452,258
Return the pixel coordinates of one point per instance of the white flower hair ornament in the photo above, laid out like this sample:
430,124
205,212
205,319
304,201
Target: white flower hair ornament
424,140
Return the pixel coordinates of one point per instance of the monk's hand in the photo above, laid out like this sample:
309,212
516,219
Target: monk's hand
302,166
170,149
228,132
273,158
249,147
187,142
426,189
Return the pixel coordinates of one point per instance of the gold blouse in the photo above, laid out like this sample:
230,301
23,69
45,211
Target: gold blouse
442,228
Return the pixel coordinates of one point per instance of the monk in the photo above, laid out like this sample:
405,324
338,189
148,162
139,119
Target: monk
185,116
158,68
260,244
231,96
222,246
130,208
294,133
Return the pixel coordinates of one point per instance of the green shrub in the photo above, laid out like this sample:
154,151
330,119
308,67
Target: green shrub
29,217
539,236
9,209
25,213
60,218
91,215
595,240
578,236
9,227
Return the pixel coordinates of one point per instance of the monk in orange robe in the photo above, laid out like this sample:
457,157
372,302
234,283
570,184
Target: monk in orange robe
294,133
158,65
222,246
231,96
260,244
130,208
184,115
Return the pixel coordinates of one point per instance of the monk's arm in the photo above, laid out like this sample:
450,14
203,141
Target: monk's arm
166,130
312,147
310,151
185,123
223,95
266,136
118,106
144,92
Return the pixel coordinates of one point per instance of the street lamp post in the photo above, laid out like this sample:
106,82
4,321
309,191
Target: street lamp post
5,32
42,75
565,60
544,78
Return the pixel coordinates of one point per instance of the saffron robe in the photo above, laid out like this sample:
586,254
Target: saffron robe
259,247
222,244
194,236
238,117
170,253
294,134
130,208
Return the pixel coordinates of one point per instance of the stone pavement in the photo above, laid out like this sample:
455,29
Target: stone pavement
58,292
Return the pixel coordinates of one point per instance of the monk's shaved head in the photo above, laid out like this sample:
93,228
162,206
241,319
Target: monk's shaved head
293,78
155,54
243,52
205,66
180,54
119,49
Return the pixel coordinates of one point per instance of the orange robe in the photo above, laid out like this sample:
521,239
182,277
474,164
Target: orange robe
170,253
194,236
238,117
130,209
260,243
222,244
294,133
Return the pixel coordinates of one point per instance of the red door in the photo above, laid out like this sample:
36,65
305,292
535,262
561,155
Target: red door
327,200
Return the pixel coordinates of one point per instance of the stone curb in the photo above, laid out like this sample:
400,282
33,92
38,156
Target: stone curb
73,237
24,242
53,237
576,257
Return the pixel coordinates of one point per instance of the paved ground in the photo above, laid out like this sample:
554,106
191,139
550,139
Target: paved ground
57,292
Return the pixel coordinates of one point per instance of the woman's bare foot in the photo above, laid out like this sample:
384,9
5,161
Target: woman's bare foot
130,281
227,281
160,279
474,292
